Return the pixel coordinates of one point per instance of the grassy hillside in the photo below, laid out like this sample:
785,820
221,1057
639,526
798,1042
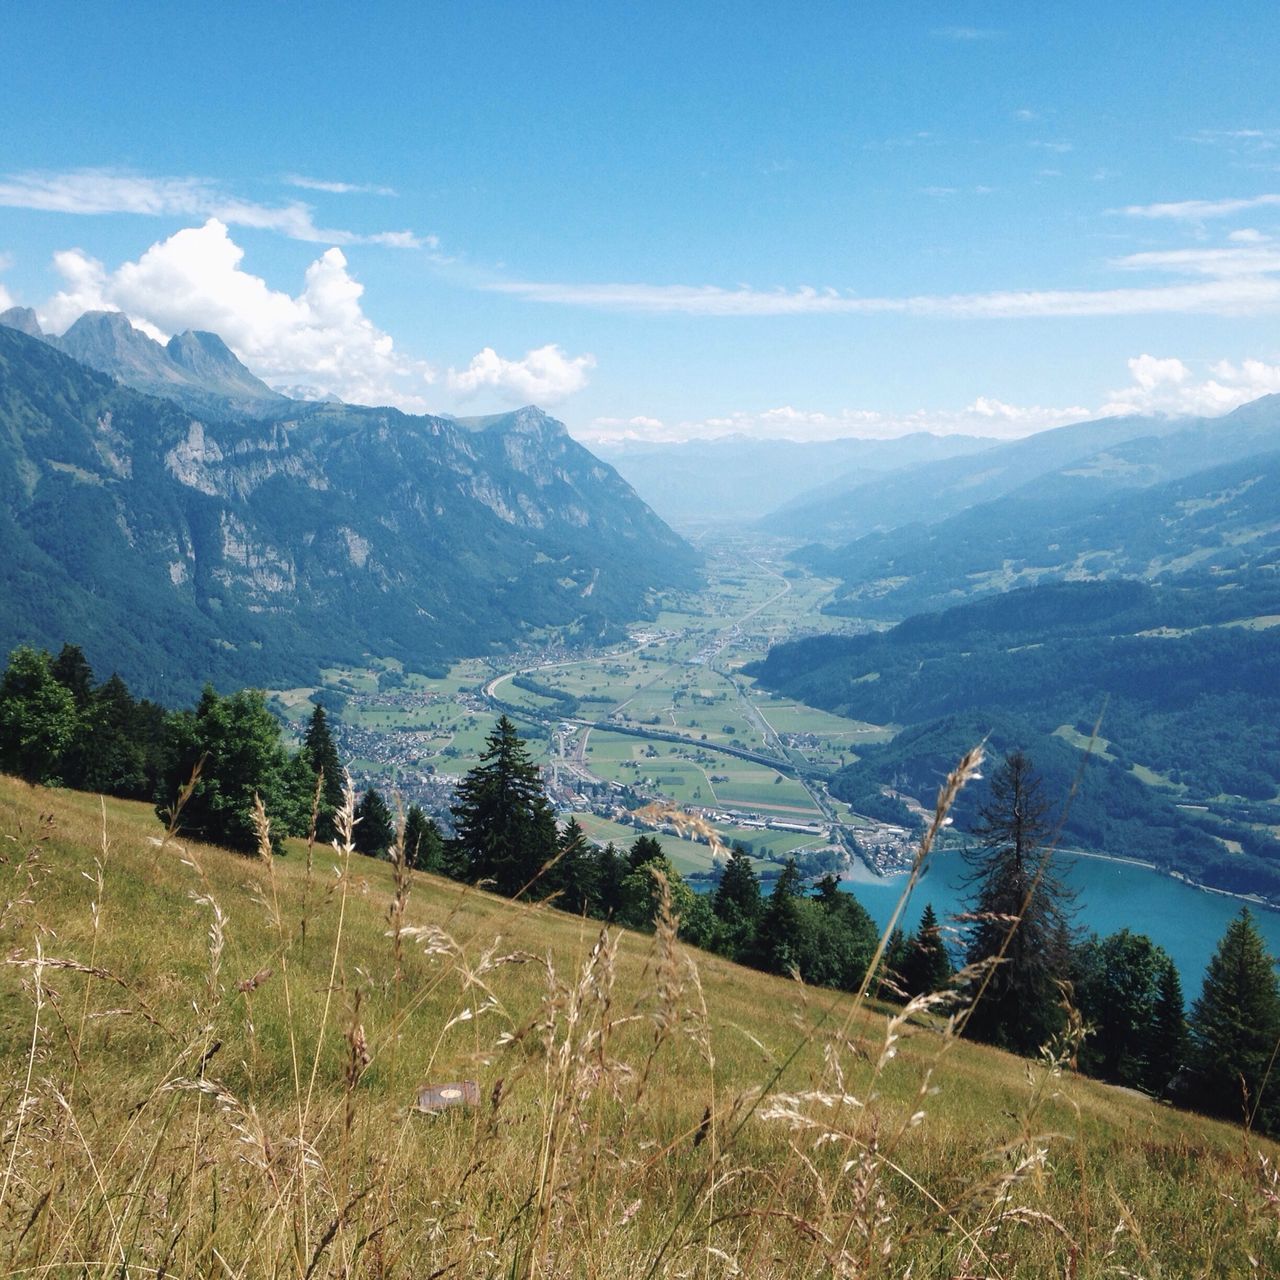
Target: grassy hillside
208,1062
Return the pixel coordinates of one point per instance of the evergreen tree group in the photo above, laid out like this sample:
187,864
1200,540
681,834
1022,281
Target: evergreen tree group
57,726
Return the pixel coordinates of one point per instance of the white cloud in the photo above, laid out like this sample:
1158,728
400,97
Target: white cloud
337,188
100,191
194,279
1219,264
1165,386
986,416
545,375
1237,295
1169,386
1200,210
1239,141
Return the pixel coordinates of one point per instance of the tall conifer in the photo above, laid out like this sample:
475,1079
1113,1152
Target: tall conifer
322,756
505,830
1021,909
1235,1029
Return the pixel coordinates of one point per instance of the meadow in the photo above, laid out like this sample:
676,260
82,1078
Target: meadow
209,1064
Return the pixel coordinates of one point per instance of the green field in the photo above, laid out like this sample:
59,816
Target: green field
676,678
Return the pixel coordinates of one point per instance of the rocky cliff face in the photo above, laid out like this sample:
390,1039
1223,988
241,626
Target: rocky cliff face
198,370
178,546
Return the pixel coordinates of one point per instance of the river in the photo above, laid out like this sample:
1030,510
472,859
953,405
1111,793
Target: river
1112,895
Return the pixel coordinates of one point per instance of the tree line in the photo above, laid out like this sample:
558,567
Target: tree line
58,727
1026,976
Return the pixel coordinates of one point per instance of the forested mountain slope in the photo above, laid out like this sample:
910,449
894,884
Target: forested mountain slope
176,547
1222,519
1185,676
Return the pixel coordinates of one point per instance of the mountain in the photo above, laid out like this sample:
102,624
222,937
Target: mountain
1084,522
23,319
735,478
1186,676
177,548
196,369
849,507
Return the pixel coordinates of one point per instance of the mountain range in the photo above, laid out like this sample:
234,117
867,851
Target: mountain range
223,531
734,479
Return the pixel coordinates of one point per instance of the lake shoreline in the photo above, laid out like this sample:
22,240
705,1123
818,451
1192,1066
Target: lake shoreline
1250,899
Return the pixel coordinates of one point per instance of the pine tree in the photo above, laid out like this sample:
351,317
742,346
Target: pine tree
837,938
927,967
72,671
611,872
375,831
1117,984
738,893
322,757
113,750
1235,1027
737,905
644,849
779,939
423,843
505,828
1168,1032
1013,880
575,874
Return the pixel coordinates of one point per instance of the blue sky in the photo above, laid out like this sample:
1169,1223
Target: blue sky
668,220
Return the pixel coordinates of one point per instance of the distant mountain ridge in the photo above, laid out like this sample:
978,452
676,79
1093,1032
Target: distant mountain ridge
1145,508
848,508
176,545
734,479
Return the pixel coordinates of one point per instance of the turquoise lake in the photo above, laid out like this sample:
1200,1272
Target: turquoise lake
1186,922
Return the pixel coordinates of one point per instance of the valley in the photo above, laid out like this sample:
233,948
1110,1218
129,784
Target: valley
662,719
663,734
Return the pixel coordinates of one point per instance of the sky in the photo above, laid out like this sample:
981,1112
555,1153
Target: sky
664,221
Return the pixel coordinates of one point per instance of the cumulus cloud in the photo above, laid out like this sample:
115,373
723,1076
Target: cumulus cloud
195,280
99,191
545,375
1169,386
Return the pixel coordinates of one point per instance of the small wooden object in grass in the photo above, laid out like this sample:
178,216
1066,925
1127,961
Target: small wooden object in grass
439,1097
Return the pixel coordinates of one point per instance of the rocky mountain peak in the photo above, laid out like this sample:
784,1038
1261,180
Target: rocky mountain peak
23,319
